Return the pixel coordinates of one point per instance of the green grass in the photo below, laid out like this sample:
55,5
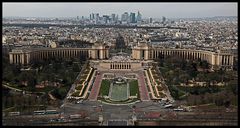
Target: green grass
91,73
85,87
79,87
105,85
161,94
9,109
76,93
86,70
133,85
84,76
119,92
81,81
159,88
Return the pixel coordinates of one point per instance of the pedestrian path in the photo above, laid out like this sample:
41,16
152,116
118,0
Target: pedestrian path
143,88
95,89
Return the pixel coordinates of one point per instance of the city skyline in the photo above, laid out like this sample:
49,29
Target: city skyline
119,65
153,10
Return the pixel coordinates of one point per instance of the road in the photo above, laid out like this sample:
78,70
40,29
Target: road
92,110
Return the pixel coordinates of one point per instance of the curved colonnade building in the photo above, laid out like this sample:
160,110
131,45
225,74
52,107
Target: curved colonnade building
140,52
215,59
26,56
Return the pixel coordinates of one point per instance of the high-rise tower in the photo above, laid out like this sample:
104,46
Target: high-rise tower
132,18
139,17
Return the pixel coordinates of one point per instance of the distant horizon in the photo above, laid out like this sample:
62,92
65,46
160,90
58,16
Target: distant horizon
154,10
143,17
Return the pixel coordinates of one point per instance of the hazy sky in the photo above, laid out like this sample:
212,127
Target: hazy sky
155,10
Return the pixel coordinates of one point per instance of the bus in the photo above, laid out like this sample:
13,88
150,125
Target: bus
75,116
168,106
178,109
41,112
14,113
51,112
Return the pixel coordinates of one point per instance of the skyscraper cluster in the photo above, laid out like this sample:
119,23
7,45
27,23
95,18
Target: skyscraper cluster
126,18
104,19
131,17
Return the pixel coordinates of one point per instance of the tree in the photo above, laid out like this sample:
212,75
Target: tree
60,93
183,64
232,86
76,68
201,76
8,75
205,64
83,58
194,66
31,83
184,77
15,69
9,102
227,103
219,101
208,98
4,102
190,100
229,75
23,76
203,101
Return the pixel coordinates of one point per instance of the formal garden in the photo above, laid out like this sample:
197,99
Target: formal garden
119,91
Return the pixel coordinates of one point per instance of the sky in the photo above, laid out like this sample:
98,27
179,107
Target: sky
154,10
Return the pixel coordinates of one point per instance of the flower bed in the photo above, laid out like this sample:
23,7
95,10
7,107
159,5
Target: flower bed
84,84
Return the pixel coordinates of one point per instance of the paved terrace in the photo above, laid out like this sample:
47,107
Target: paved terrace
142,86
96,87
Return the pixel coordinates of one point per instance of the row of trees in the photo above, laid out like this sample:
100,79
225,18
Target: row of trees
23,102
223,98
